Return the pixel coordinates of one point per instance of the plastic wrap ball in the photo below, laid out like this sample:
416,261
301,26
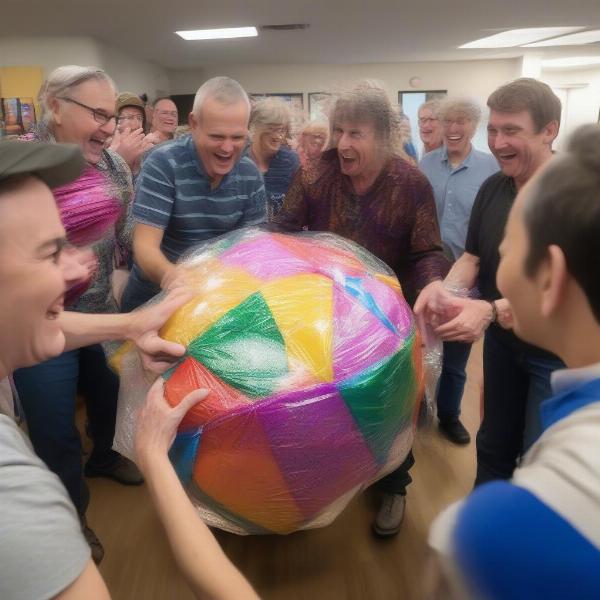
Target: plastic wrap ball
311,356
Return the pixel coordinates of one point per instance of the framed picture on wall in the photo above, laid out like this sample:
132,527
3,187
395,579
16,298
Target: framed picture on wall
295,100
18,115
319,104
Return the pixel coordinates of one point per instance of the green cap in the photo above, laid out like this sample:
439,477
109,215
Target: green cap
54,164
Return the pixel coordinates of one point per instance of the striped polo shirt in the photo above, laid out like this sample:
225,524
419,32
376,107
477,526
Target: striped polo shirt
173,193
538,536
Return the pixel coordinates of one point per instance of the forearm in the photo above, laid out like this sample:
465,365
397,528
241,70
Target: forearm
463,274
152,261
82,329
200,558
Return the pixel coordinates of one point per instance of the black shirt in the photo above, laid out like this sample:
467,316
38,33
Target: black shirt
486,231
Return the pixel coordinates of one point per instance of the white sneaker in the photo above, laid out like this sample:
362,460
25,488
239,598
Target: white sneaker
390,516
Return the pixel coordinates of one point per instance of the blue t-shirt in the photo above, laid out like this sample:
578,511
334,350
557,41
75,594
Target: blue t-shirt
455,189
173,193
282,169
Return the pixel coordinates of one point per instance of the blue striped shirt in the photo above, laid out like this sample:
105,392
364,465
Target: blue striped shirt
173,193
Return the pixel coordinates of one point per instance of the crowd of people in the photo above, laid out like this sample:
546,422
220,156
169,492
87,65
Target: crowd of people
496,245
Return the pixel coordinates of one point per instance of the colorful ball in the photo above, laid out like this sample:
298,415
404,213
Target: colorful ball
313,363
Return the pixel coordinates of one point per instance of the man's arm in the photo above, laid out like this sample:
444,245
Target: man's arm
148,255
140,327
201,560
293,215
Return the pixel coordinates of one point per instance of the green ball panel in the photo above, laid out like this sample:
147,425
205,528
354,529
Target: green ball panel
382,399
244,348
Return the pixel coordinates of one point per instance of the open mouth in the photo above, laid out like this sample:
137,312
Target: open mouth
54,311
454,138
223,160
97,144
506,156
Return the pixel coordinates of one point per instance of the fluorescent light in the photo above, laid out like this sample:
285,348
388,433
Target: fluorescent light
575,39
571,61
518,37
218,34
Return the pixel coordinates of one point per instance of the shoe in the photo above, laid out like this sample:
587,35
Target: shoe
390,516
122,470
455,431
94,543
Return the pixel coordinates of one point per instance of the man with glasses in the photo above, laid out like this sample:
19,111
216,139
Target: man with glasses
164,119
456,172
430,130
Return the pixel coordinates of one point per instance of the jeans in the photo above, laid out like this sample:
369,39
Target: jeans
397,481
452,380
515,383
137,291
48,391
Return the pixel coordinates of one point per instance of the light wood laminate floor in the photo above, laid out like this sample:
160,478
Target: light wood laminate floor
340,562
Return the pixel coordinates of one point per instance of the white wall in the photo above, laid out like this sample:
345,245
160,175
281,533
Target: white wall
477,78
472,78
579,91
129,73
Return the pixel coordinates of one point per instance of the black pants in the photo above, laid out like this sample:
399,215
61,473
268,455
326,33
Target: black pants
515,383
397,481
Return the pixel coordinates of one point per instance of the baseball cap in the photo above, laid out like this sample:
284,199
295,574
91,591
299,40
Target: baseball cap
54,164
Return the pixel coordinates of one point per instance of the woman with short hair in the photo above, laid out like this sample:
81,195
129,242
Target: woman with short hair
270,122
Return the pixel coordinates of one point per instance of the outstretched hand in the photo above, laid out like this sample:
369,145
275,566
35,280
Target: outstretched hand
157,354
157,423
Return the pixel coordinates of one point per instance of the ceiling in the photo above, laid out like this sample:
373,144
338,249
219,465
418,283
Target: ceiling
342,32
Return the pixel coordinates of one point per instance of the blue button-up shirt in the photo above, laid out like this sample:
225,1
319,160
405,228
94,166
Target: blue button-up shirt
455,189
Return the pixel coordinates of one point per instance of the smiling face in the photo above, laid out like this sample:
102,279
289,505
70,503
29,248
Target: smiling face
32,275
270,139
220,132
130,117
165,117
75,124
458,131
359,150
519,149
430,130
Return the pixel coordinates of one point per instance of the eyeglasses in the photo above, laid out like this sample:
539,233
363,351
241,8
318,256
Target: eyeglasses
425,120
137,117
166,113
99,115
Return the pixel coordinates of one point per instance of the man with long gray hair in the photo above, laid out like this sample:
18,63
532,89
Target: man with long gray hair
364,190
193,189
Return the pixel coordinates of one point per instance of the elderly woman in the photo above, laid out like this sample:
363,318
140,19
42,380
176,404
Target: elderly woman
363,190
312,140
129,139
270,122
456,172
78,106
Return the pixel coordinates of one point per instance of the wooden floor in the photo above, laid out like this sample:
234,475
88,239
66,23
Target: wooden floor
342,561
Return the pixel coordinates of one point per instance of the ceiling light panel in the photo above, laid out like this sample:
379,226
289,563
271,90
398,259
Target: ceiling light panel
571,61
575,39
218,34
519,37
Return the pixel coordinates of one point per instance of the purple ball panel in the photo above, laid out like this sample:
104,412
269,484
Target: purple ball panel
319,449
359,337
